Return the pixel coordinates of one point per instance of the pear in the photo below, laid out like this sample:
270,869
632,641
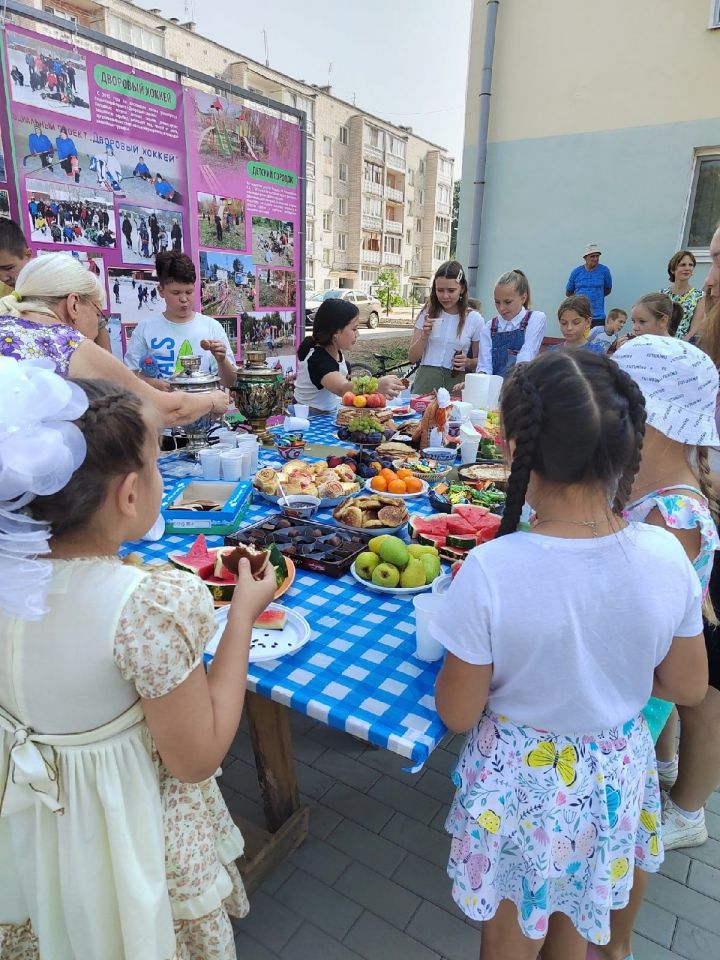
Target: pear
417,550
365,564
385,575
393,550
414,574
431,566
374,544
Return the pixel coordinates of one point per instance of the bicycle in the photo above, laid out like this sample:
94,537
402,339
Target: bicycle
385,365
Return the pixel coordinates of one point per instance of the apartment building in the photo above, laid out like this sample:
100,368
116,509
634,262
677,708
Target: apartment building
378,196
605,129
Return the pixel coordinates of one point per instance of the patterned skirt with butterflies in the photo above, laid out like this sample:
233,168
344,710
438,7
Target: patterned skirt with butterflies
553,823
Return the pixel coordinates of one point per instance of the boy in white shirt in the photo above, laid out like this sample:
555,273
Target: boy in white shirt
179,331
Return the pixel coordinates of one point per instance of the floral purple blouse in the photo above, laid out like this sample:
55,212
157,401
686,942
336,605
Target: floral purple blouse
25,340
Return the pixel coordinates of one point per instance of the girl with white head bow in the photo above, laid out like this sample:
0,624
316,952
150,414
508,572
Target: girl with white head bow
114,839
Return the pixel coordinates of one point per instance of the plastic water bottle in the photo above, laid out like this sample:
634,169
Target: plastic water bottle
149,367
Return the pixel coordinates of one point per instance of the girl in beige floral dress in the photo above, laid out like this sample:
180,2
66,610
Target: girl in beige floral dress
115,843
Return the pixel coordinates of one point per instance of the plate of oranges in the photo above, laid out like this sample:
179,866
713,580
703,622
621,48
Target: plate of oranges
397,483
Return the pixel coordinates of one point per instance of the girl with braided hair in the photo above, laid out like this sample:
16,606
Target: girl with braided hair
557,801
115,841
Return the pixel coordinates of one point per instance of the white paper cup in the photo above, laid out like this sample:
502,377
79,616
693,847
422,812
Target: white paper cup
301,410
426,605
249,444
461,410
231,464
469,450
210,464
494,387
228,438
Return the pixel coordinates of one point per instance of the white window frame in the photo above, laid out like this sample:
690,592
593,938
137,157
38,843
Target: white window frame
327,221
343,169
714,15
392,244
327,185
702,254
342,206
327,257
344,134
342,239
327,146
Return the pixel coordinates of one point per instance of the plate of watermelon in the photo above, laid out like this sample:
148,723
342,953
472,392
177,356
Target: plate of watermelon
456,533
277,632
214,566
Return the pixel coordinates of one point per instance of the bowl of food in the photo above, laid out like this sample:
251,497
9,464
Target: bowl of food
424,469
440,454
299,506
290,450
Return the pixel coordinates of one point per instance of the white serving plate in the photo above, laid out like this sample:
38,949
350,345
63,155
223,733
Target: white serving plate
399,591
267,644
324,502
399,496
373,531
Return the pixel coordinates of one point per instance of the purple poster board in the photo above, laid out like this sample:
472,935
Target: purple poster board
245,213
101,165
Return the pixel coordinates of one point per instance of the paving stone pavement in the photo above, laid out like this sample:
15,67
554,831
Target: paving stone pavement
369,883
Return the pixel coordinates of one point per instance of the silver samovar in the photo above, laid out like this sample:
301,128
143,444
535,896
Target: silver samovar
191,380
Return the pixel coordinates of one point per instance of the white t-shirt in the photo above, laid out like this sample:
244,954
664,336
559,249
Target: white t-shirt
444,341
573,628
166,341
308,392
534,334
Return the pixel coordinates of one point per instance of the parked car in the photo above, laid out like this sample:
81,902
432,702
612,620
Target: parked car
368,306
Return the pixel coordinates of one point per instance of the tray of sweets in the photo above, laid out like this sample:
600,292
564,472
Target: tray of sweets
321,547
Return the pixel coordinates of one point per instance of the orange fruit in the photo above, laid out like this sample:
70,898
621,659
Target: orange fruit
413,484
360,401
388,474
379,483
403,473
397,486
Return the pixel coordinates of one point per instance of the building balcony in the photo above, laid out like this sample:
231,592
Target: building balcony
373,153
442,236
369,186
370,256
395,163
392,259
370,222
441,207
393,226
392,194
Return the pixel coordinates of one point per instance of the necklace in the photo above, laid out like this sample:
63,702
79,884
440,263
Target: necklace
591,524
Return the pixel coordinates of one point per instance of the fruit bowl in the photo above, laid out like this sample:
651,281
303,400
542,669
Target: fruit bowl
440,454
399,496
291,451
399,591
430,470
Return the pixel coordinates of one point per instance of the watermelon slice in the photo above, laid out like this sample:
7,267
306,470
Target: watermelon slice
271,620
455,569
197,560
472,514
456,524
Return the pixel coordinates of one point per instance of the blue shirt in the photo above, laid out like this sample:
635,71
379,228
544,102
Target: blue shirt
65,147
594,284
39,143
163,188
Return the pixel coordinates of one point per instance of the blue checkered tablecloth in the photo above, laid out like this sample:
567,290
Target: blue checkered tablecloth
358,672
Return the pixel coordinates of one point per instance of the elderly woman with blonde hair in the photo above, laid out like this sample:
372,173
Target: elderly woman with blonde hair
54,313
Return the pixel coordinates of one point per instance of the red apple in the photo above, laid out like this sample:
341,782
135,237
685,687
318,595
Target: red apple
381,401
348,399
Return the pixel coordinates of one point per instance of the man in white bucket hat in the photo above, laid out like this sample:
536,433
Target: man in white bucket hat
593,280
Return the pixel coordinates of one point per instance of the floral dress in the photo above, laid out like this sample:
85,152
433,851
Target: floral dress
688,301
149,860
679,512
26,340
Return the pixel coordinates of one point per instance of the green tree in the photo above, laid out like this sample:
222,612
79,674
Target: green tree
454,218
386,289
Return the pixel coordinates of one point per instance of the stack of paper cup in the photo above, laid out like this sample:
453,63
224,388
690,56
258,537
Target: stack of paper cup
210,463
296,425
475,391
469,443
249,444
235,464
493,397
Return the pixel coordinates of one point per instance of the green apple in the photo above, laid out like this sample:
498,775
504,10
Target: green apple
386,575
418,549
365,564
414,574
393,550
374,544
431,566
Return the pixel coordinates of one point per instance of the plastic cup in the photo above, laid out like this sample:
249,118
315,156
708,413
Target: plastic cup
249,444
227,438
210,464
301,410
426,605
469,450
494,387
231,462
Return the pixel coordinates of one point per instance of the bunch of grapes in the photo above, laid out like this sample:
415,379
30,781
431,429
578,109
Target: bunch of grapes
365,424
364,385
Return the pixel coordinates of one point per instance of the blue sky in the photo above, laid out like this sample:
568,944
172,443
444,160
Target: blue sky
404,60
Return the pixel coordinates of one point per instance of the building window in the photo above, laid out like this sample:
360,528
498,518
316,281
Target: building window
418,251
443,193
372,206
397,147
309,269
411,177
372,172
343,172
446,168
327,146
442,224
715,13
327,186
704,207
421,167
122,29
302,103
367,275
371,241
342,242
418,225
326,261
408,237
342,206
61,14
344,135
374,137
327,220
420,197
440,251
393,244
310,150
310,231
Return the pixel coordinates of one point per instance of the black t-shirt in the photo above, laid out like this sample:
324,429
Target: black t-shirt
320,364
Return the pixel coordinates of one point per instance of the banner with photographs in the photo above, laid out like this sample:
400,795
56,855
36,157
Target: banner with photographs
101,167
245,213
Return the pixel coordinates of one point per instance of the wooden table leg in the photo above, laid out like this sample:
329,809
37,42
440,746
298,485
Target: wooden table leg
287,821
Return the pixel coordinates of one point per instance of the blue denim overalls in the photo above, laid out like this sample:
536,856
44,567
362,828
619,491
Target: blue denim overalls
506,346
